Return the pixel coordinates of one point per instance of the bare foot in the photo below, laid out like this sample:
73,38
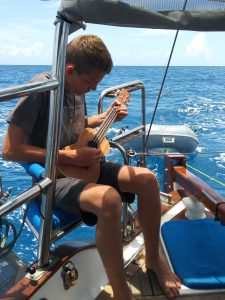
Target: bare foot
124,294
169,281
132,298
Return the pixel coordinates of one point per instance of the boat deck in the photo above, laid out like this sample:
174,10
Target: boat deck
142,285
146,287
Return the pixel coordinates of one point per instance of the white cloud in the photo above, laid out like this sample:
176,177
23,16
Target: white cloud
26,44
34,53
36,49
198,46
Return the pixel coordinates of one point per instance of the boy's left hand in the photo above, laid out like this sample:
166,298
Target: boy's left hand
121,110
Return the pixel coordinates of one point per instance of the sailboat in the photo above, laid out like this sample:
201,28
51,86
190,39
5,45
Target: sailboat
193,214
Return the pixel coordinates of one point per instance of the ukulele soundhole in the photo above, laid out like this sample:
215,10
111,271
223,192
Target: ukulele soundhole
93,144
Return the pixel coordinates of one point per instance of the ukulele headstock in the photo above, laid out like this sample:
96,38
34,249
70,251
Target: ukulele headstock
123,96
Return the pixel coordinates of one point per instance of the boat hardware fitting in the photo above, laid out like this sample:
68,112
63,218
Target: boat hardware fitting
195,209
69,275
34,275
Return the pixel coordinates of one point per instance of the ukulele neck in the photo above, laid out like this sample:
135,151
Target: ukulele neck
110,118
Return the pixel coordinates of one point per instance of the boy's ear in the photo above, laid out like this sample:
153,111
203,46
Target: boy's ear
70,68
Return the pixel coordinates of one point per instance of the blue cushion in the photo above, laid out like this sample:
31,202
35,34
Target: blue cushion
197,252
60,218
33,169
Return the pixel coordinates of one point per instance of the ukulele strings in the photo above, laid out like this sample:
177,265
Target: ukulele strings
98,138
107,122
105,125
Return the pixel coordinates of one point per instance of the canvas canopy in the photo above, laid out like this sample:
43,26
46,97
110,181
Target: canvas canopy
196,15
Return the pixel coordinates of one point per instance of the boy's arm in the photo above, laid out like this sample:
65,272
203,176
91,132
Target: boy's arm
15,149
97,120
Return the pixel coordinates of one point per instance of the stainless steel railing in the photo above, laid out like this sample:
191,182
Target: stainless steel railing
29,88
46,186
112,92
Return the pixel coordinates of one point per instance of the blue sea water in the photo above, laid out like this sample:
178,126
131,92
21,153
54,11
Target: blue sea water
194,96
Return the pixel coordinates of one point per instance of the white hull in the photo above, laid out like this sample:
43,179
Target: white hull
91,274
91,279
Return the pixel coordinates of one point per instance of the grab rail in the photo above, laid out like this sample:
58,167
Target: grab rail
178,178
131,86
35,190
201,191
29,88
112,92
15,92
46,187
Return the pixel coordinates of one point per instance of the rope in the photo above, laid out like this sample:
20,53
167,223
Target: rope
155,153
206,175
4,247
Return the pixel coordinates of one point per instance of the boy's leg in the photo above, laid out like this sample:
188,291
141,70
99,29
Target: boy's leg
105,202
144,184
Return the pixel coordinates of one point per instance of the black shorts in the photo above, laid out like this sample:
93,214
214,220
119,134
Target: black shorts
67,194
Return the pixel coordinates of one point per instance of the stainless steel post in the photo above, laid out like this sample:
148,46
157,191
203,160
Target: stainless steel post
55,116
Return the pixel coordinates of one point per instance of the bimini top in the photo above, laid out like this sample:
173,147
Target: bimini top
196,15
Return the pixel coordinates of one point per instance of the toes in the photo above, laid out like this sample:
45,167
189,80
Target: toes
172,290
176,279
171,293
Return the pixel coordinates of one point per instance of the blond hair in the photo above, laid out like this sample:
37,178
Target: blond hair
87,53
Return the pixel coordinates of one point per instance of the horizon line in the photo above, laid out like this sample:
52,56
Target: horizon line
122,65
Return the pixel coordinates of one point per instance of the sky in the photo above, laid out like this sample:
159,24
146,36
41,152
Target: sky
27,33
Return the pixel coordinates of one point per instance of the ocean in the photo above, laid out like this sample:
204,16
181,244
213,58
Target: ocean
194,96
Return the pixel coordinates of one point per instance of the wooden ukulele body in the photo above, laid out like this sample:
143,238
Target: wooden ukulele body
90,174
90,138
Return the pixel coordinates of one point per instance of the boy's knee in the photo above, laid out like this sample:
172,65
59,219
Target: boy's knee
148,178
112,205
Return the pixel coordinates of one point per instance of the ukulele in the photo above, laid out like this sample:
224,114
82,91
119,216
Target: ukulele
89,137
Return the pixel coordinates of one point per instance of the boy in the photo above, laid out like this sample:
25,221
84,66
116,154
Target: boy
87,62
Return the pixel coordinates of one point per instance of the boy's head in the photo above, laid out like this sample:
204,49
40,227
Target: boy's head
87,53
87,62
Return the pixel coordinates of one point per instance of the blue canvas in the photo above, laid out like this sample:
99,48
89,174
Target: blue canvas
197,252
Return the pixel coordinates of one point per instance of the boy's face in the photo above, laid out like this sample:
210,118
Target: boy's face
84,83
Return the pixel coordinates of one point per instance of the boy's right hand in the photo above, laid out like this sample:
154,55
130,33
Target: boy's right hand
84,157
87,156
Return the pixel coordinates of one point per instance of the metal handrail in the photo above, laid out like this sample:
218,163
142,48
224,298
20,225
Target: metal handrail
130,86
35,190
11,93
45,187
27,89
54,127
112,92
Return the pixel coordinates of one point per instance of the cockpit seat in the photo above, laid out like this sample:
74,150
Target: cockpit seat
62,222
195,249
